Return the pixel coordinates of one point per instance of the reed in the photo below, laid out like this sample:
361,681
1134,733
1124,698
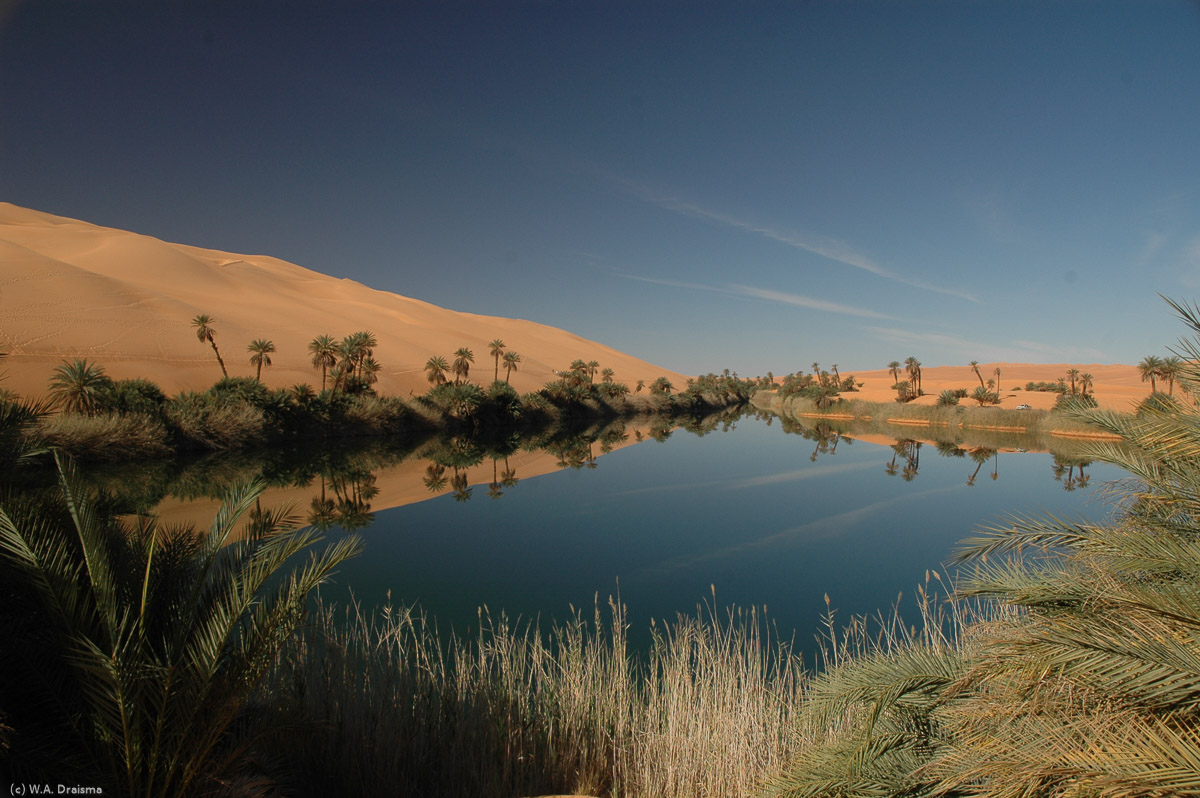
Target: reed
395,708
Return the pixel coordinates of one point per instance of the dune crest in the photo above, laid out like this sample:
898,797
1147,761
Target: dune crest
70,289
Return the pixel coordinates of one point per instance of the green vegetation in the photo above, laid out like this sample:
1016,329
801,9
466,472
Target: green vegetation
132,652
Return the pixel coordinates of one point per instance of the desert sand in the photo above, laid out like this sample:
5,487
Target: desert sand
1115,387
69,289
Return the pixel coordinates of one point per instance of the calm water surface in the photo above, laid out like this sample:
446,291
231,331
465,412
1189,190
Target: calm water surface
748,512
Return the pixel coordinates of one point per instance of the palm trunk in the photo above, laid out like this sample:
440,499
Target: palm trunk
220,362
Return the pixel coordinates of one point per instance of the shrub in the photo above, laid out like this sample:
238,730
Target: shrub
947,397
108,437
204,421
137,396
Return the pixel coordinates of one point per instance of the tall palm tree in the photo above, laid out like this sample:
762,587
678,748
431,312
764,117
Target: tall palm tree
463,358
1072,375
1169,371
1149,368
369,370
975,368
511,359
997,373
324,355
260,350
894,368
359,346
156,639
607,375
80,387
591,370
496,347
913,366
1085,383
435,369
206,333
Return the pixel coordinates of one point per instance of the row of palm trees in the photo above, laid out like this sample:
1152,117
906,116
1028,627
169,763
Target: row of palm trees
437,366
349,361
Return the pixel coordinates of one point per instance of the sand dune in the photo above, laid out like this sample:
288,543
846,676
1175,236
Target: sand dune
69,289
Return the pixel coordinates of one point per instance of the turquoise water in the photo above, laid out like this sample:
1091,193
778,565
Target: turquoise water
762,517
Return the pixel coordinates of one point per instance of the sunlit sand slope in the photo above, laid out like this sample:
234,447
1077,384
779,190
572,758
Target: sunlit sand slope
69,289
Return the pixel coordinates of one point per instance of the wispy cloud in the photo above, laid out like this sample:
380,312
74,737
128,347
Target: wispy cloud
770,295
806,302
831,248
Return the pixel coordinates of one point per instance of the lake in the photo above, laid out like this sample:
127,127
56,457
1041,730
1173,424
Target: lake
761,516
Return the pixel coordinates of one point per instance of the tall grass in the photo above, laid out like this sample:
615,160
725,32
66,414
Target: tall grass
107,437
401,710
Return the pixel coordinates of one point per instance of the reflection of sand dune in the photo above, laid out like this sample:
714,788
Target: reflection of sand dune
70,289
398,485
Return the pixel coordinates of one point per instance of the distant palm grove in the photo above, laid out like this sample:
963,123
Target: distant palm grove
102,418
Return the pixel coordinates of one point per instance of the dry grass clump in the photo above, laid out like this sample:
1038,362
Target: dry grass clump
205,422
710,710
107,437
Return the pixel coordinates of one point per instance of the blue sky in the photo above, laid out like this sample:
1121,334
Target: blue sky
748,185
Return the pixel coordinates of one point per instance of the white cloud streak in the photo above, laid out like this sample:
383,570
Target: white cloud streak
770,295
833,249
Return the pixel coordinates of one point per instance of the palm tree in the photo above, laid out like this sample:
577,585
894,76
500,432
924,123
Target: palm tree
435,369
260,350
894,368
1072,375
1085,383
1169,371
913,366
591,370
606,376
1149,369
463,358
80,387
997,373
324,355
368,370
975,368
496,347
511,359
155,638
205,332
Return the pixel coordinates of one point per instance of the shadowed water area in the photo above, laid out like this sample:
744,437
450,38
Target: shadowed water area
762,511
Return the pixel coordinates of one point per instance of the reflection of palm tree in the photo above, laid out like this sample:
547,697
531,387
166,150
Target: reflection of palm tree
435,479
462,492
890,469
508,477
